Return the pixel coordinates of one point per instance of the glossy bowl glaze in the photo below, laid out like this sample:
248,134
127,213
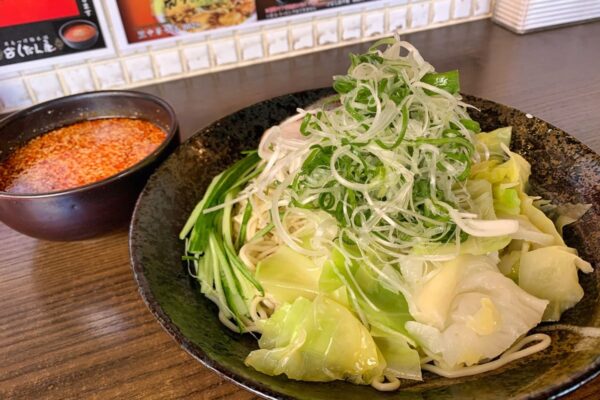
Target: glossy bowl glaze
92,209
564,170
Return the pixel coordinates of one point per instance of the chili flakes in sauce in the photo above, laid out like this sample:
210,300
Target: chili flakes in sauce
78,154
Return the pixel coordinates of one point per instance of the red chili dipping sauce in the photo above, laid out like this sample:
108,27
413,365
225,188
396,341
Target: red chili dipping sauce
78,154
79,32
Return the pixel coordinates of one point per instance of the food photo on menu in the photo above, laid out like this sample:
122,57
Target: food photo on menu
299,199
152,19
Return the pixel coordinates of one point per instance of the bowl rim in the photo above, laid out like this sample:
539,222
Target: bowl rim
558,390
148,159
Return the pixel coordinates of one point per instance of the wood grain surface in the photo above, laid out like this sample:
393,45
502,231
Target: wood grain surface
72,324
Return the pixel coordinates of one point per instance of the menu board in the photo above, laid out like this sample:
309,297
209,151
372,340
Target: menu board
269,9
34,30
148,20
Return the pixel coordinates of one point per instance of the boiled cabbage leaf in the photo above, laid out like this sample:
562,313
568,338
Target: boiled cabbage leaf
562,214
383,308
491,141
539,219
317,341
401,359
469,312
551,273
286,275
509,264
482,199
529,232
509,180
515,170
506,199
375,301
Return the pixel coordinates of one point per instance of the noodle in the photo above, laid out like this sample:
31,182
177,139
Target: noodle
261,308
380,383
227,322
514,353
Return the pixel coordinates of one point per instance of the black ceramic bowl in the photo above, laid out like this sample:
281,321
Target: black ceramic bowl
79,43
92,209
563,169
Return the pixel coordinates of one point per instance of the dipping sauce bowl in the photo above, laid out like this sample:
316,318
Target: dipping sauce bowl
94,208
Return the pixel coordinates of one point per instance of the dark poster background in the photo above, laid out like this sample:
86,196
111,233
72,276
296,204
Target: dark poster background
268,9
37,29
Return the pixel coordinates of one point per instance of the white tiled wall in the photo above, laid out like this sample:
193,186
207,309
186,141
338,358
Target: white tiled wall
109,75
79,79
277,42
220,50
482,7
197,57
140,68
351,27
398,19
14,94
462,8
441,11
326,31
225,51
419,14
374,23
168,63
251,46
302,36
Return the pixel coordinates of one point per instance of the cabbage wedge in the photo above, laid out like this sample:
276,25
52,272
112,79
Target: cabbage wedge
317,341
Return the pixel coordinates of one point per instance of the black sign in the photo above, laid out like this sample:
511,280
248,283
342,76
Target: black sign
36,29
268,9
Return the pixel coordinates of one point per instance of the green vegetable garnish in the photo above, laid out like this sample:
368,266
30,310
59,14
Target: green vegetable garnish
382,234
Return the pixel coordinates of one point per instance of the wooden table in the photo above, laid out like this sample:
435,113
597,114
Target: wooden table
72,324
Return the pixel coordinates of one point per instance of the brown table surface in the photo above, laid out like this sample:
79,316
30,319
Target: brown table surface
72,324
